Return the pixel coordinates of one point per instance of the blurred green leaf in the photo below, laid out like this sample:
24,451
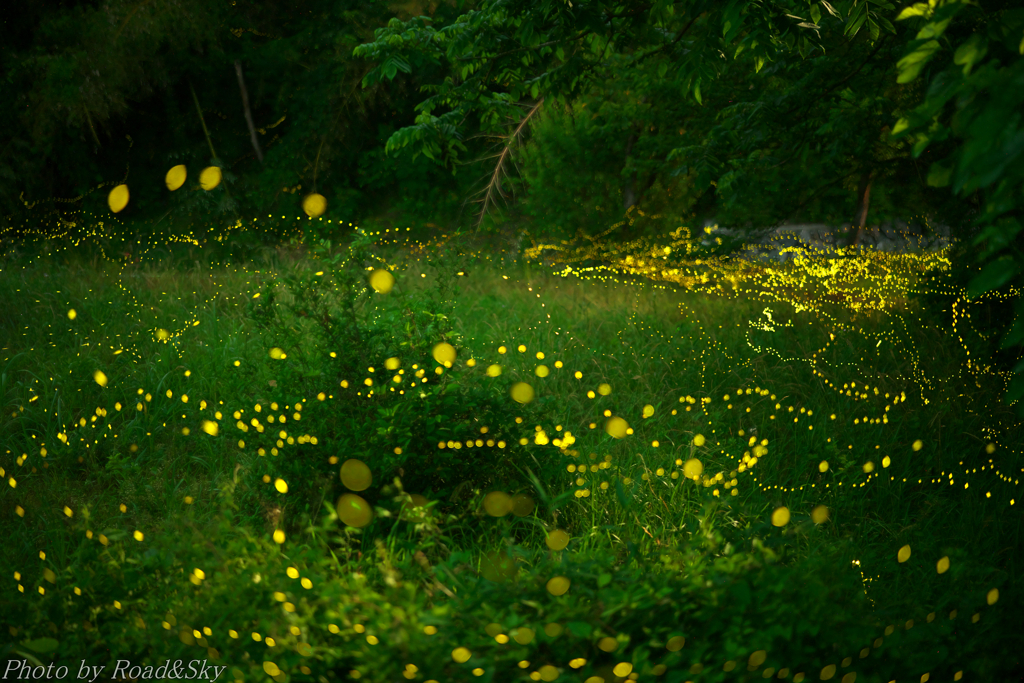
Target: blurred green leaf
41,645
993,276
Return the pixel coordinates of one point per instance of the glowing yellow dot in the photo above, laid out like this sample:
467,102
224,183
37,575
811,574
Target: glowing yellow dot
699,440
918,445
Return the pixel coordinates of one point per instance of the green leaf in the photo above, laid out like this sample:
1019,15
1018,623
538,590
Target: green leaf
831,9
854,27
971,52
993,276
1015,391
620,493
815,14
901,125
603,580
41,645
933,29
580,629
696,92
910,66
916,10
939,175
1015,336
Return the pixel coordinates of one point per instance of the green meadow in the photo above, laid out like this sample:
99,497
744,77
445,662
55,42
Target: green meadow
436,457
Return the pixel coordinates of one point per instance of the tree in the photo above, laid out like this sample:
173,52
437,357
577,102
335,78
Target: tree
738,99
977,100
783,128
92,74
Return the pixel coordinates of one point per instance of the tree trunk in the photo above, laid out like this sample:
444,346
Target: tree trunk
629,192
199,111
92,128
248,113
863,203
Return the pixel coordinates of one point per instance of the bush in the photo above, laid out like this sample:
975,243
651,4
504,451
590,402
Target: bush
332,328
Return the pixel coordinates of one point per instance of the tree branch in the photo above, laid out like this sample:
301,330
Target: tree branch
832,87
678,37
248,115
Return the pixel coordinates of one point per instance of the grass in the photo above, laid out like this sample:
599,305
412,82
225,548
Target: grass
789,426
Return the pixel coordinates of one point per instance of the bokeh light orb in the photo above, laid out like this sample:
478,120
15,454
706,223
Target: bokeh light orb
354,511
382,281
314,205
355,475
210,178
118,198
522,392
175,177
